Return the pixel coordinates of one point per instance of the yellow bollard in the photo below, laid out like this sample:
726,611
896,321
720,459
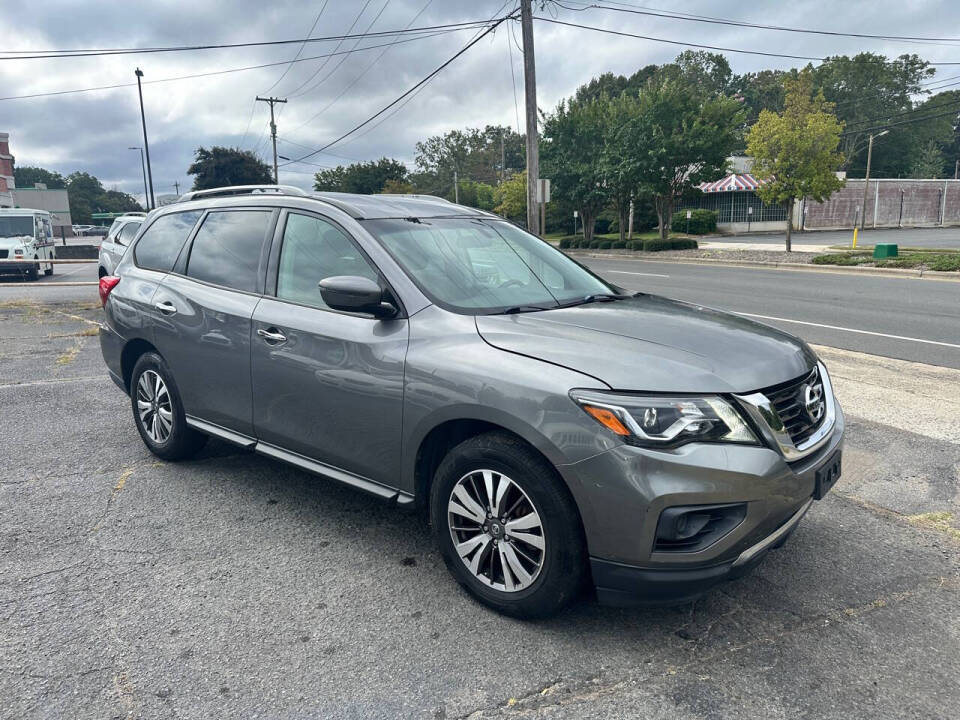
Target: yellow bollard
855,238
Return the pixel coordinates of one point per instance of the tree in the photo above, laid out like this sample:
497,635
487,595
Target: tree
679,138
367,178
475,194
222,166
572,157
795,151
511,197
619,169
87,196
475,154
928,162
29,176
398,187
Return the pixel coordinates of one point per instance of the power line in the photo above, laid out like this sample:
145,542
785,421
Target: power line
48,54
903,122
697,45
513,78
228,70
918,109
654,12
410,90
302,46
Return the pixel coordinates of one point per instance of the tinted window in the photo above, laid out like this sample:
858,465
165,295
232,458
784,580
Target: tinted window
162,241
314,249
228,249
127,233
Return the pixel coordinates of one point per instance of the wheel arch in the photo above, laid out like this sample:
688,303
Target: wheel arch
132,351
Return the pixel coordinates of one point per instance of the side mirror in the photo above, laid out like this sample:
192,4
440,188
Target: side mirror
351,293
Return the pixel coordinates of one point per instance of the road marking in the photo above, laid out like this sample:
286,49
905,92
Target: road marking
851,330
625,272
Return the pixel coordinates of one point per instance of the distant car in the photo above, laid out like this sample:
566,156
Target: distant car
97,231
114,245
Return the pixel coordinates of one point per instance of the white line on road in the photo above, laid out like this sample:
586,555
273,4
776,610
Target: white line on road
852,330
625,272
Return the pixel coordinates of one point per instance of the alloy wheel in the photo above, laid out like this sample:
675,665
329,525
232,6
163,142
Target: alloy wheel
496,530
154,407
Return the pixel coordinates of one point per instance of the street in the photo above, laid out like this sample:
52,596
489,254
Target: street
939,238
233,585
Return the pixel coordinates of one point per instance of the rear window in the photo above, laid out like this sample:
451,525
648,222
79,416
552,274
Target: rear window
162,241
228,249
128,233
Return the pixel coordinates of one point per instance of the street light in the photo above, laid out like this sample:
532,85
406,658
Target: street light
143,169
143,118
866,179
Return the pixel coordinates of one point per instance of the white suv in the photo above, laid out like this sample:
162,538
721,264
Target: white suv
114,245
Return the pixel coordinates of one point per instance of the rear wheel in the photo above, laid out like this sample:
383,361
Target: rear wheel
158,411
49,270
34,272
506,527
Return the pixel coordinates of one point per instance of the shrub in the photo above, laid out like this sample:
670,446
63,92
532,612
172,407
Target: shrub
594,244
604,245
635,245
701,222
565,243
946,262
619,244
842,259
656,244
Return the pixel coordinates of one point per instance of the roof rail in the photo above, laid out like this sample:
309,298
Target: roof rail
242,190
417,196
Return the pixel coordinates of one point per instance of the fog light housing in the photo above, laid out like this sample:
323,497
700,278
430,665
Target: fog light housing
691,528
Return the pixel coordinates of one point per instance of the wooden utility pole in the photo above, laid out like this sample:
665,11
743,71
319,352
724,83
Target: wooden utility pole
866,178
530,100
176,186
456,187
273,133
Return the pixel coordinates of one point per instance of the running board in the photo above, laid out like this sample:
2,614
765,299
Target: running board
390,494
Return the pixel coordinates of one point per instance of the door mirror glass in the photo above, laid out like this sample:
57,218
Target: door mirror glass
352,293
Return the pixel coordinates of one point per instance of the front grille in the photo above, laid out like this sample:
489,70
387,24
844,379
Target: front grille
3,254
787,400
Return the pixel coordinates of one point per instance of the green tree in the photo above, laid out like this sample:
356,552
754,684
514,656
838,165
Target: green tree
367,178
618,167
796,151
572,157
398,187
28,176
87,196
222,166
679,138
475,194
511,197
928,163
474,153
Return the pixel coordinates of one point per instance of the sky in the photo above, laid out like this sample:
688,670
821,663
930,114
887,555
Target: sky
92,131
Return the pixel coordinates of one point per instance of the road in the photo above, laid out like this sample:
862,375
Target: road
900,317
940,238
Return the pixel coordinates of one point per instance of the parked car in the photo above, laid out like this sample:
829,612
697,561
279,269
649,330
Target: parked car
97,231
26,235
554,428
117,240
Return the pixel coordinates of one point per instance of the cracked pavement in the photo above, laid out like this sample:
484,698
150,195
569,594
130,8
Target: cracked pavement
234,586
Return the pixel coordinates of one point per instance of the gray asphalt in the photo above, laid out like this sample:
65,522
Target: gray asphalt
234,586
910,307
940,238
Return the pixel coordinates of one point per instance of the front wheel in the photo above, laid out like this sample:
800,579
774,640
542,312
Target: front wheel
507,528
34,272
158,411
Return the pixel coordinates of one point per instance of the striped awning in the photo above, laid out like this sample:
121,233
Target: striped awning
732,183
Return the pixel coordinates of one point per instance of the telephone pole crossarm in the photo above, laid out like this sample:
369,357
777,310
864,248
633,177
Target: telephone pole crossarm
273,132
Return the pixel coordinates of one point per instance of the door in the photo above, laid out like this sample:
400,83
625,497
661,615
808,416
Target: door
205,307
327,385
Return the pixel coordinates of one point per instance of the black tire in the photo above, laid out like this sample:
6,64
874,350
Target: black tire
182,441
563,559
33,273
49,270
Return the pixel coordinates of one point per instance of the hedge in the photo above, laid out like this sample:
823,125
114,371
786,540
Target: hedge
604,245
701,222
656,244
619,244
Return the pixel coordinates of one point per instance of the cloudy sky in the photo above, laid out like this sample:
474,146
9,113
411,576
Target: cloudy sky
92,130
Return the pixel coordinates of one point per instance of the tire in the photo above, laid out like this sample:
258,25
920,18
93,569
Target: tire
49,271
170,438
555,573
33,274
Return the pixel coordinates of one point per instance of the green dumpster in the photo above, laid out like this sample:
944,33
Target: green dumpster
885,250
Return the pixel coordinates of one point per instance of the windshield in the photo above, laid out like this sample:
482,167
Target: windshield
12,226
485,266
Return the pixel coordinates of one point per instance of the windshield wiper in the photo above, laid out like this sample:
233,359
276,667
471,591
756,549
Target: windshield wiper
522,309
597,297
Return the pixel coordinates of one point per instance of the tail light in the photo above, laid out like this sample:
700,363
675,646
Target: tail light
107,283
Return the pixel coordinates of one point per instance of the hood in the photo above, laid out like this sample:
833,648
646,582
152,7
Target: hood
9,243
650,343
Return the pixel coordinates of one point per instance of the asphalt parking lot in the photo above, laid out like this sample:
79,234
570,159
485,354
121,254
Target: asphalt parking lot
234,586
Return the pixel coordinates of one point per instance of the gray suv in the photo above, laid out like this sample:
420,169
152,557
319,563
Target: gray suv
555,429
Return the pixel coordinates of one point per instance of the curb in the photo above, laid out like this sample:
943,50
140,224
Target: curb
799,267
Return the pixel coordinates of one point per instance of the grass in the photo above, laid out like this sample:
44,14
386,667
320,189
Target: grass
869,248
939,521
929,260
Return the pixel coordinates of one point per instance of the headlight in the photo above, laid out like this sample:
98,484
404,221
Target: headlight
18,251
663,421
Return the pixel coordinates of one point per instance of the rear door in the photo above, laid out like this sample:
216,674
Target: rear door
327,385
206,305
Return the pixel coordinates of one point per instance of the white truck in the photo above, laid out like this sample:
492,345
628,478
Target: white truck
26,235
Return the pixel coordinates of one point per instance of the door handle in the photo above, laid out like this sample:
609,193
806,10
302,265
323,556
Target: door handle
166,307
272,335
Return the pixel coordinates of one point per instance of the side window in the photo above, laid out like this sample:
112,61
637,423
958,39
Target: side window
162,241
127,233
314,249
228,248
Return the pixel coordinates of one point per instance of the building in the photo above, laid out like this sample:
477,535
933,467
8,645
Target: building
6,172
56,202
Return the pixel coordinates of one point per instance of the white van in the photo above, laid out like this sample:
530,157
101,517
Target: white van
28,235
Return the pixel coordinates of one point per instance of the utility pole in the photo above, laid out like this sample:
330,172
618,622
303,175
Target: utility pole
456,187
146,145
503,161
176,186
956,170
530,100
273,133
866,179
